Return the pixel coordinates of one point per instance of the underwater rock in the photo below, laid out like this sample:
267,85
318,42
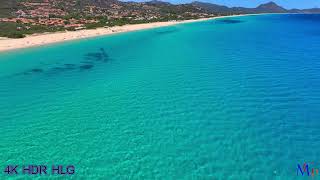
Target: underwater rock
86,66
97,56
103,52
36,70
69,65
32,71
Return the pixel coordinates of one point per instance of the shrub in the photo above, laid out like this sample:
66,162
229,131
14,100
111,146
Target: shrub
16,35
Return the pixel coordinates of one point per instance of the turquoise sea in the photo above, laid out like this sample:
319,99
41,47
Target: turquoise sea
233,98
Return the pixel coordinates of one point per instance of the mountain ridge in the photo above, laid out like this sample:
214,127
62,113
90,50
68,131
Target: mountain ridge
7,7
269,7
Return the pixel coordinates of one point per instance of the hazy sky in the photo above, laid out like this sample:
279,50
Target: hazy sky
254,3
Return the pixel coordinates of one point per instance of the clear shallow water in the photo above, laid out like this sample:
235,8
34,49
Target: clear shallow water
221,99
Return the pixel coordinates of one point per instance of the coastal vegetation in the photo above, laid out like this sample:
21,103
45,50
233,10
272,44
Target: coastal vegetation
22,17
20,30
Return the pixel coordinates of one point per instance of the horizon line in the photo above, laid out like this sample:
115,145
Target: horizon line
221,4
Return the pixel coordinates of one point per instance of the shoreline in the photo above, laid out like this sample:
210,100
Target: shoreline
7,44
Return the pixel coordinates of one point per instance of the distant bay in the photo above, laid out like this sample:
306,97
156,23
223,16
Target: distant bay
232,98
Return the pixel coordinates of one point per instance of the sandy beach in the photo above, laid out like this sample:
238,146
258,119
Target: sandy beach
48,38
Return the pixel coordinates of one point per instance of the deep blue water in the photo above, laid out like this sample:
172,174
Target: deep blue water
234,98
